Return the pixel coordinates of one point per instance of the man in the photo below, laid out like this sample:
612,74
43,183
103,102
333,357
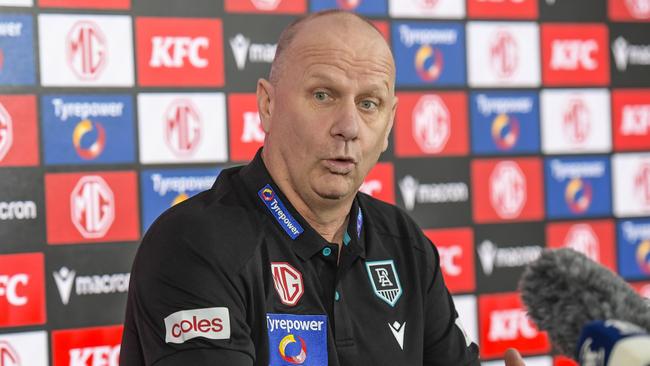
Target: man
282,262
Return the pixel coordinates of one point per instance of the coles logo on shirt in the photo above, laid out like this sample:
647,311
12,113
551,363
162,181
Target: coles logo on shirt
18,131
91,207
629,10
631,183
266,6
509,9
297,339
427,9
188,54
245,127
379,182
212,323
508,190
456,249
634,249
431,124
504,324
87,346
595,239
575,54
22,289
90,4
631,125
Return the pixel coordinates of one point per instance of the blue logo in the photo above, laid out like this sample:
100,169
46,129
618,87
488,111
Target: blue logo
505,122
279,212
634,249
297,339
384,280
366,7
17,65
359,223
429,53
578,187
88,129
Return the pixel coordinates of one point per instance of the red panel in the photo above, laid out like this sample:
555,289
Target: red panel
18,131
456,249
22,290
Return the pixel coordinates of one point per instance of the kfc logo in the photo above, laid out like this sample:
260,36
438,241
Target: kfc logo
87,347
22,289
253,131
504,54
86,50
455,247
635,120
103,355
509,325
431,123
245,127
507,189
288,282
379,183
574,54
182,127
9,286
174,52
6,132
631,112
212,323
642,183
577,121
92,207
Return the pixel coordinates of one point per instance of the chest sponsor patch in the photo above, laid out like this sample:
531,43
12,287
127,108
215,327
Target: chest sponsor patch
384,280
297,339
280,212
288,282
213,323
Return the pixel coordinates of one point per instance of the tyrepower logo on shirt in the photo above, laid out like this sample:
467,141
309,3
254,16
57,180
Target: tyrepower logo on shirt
575,54
17,65
87,346
266,6
379,182
504,324
18,131
427,9
503,54
22,290
431,124
508,9
634,249
631,111
508,190
187,53
629,10
595,239
91,207
631,182
24,349
212,323
245,127
456,249
86,50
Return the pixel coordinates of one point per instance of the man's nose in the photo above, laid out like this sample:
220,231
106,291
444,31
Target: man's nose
347,121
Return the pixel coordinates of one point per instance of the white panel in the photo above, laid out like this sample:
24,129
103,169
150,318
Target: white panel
631,184
427,8
30,348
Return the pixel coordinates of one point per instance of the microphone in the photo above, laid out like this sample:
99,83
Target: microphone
613,342
564,291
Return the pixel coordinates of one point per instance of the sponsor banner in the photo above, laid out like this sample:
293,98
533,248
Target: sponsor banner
572,10
86,50
642,288
578,187
507,190
630,50
365,7
91,207
87,346
27,348
502,253
22,210
22,290
634,249
17,65
631,125
244,126
212,323
88,129
16,2
456,250
81,280
182,128
266,6
575,121
575,54
528,361
502,9
189,53
505,122
162,189
628,10
595,239
429,53
434,193
18,131
631,181
503,55
467,316
431,124
90,4
379,182
447,9
297,339
504,324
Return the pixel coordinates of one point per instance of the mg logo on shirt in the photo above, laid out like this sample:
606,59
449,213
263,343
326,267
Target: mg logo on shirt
595,239
288,282
86,50
631,181
22,289
384,280
92,207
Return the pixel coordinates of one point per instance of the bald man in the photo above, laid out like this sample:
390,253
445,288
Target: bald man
283,261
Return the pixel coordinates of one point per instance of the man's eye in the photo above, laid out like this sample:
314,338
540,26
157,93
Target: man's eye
368,104
320,96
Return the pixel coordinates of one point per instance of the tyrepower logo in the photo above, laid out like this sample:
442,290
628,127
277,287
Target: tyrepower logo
456,250
86,50
91,207
575,54
631,111
365,7
431,124
379,182
245,127
22,290
629,10
18,131
508,9
634,249
504,324
90,4
595,239
631,181
87,346
427,9
189,53
507,190
17,65
24,349
212,323
266,6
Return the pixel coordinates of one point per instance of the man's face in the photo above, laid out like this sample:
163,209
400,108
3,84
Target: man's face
332,108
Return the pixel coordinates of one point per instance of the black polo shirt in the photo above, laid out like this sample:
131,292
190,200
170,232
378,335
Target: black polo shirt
235,276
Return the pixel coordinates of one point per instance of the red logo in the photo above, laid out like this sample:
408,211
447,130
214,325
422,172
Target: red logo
86,50
188,54
8,355
642,183
18,131
508,9
90,4
266,6
631,111
595,239
504,54
22,290
83,128
288,282
431,124
629,10
575,54
576,124
507,190
456,249
91,207
245,127
196,324
504,324
6,132
379,183
348,4
427,4
89,346
182,127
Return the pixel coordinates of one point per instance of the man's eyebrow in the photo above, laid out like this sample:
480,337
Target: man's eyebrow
377,88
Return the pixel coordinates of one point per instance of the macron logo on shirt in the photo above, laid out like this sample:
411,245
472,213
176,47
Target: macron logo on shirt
280,212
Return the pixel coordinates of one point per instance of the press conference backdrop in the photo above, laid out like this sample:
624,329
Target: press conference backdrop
522,124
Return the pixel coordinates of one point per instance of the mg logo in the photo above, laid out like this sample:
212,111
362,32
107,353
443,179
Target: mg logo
576,123
431,124
507,189
6,132
266,4
252,131
503,54
86,50
8,356
582,238
288,282
639,8
92,207
348,4
182,127
642,183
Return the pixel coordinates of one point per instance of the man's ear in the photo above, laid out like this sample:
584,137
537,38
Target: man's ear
390,124
265,102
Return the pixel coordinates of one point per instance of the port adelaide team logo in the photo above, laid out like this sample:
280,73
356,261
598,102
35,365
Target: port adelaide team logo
384,280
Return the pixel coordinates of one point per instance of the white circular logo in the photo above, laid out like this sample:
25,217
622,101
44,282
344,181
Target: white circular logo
182,127
92,206
507,189
431,124
582,238
577,121
504,54
86,50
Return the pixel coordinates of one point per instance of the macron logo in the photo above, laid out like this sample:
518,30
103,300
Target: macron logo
398,332
64,279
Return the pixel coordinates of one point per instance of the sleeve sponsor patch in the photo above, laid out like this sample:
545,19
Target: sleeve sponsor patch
297,339
213,323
